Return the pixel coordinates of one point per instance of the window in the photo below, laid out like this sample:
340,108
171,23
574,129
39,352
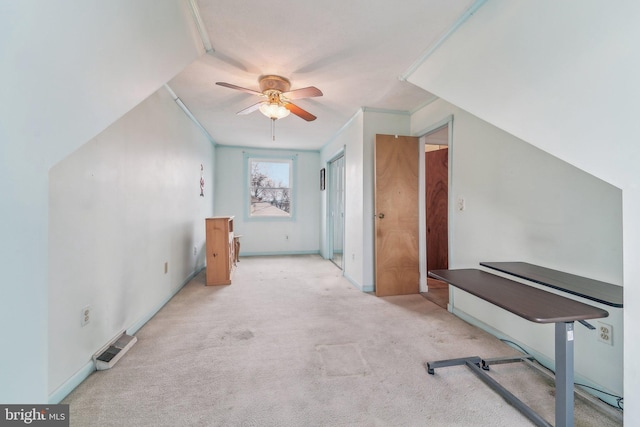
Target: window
270,188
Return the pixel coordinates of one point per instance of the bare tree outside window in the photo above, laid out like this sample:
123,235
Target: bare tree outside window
270,187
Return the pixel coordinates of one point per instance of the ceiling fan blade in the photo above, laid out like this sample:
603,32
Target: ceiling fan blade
300,112
250,109
305,92
243,89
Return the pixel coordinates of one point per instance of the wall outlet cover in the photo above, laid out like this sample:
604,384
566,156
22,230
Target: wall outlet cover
85,316
605,333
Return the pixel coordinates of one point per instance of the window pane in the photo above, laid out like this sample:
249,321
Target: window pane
270,187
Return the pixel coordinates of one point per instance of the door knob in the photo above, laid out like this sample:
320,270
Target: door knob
381,215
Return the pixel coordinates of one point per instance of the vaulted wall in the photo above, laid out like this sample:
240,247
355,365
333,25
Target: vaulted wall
121,208
69,74
561,76
523,204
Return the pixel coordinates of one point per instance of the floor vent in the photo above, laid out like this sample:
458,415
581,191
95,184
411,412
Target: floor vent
106,358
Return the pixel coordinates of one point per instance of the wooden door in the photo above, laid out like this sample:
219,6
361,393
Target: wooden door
397,267
436,199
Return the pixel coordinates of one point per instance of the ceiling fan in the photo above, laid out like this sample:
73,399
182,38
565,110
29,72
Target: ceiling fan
277,104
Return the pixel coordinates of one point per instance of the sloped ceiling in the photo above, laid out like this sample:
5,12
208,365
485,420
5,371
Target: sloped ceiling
353,51
562,76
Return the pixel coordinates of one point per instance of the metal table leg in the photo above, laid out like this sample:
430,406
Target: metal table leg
479,366
452,362
564,374
508,396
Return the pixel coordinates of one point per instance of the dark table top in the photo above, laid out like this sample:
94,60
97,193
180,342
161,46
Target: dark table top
595,290
530,303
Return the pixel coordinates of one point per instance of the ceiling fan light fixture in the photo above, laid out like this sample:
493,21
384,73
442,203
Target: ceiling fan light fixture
274,111
278,104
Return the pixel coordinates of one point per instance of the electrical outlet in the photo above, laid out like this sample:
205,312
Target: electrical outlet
85,316
605,333
195,251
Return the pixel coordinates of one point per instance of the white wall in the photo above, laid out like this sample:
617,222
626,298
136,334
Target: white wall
71,75
264,236
121,206
351,140
563,77
522,204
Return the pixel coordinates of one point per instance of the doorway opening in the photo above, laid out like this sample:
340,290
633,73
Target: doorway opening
335,196
436,212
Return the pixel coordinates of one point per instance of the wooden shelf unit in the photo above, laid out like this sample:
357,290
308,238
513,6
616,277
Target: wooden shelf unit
220,250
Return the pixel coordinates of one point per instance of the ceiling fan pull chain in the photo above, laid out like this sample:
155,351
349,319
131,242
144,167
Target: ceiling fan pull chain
273,129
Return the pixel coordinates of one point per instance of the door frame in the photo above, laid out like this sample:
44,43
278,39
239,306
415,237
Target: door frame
448,121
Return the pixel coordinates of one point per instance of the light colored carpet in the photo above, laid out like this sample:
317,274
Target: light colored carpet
292,343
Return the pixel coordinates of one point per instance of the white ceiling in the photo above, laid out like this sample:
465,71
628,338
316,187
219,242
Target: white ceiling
353,51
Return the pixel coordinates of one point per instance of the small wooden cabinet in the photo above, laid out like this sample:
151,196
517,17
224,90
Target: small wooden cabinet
220,250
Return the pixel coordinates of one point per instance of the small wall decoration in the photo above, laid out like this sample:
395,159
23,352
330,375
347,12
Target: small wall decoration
201,180
322,179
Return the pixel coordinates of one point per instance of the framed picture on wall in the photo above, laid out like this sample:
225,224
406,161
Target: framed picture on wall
322,179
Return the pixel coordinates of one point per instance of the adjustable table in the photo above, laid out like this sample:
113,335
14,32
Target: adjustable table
595,290
537,306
